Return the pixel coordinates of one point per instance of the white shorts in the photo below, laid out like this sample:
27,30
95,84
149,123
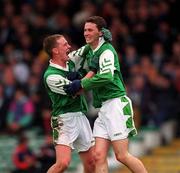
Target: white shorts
115,120
73,130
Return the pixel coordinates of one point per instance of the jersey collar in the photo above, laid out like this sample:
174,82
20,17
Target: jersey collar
101,41
58,66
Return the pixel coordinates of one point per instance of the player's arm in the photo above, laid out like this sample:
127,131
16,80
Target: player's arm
78,56
105,73
56,83
90,74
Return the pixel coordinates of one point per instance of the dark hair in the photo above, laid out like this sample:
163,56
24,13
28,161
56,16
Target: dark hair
50,42
98,20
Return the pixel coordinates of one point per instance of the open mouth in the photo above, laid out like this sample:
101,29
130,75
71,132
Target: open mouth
68,51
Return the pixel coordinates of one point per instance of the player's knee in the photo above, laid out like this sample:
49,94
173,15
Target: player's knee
90,165
62,165
99,157
122,157
89,168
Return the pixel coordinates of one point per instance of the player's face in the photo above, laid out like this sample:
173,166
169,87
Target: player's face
63,48
91,33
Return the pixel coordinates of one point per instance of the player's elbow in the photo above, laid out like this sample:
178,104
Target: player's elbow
108,78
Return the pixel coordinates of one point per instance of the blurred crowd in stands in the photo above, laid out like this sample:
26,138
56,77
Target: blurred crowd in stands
146,34
25,160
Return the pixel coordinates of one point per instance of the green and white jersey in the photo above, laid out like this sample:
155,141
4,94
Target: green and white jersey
79,59
54,80
108,82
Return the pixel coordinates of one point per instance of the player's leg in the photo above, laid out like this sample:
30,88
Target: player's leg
87,158
120,148
100,154
102,144
62,139
84,143
63,157
120,127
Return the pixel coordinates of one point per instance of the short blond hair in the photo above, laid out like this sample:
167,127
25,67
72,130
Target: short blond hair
50,42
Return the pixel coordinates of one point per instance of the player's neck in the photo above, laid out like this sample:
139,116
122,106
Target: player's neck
95,44
63,64
59,62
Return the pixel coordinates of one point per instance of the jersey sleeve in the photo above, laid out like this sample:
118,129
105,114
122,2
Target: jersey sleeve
77,57
56,82
105,73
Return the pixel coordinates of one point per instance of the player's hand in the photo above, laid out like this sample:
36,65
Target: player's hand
73,76
73,87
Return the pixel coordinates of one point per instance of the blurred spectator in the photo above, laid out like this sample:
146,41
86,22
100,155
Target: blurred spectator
109,11
28,13
20,114
23,158
8,9
9,82
4,105
138,92
47,154
158,55
87,9
160,110
46,119
129,59
21,72
121,34
4,32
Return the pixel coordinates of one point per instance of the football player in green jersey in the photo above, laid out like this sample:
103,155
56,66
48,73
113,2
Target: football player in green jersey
71,128
115,123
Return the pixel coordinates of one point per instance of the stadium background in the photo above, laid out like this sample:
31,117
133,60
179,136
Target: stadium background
146,34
